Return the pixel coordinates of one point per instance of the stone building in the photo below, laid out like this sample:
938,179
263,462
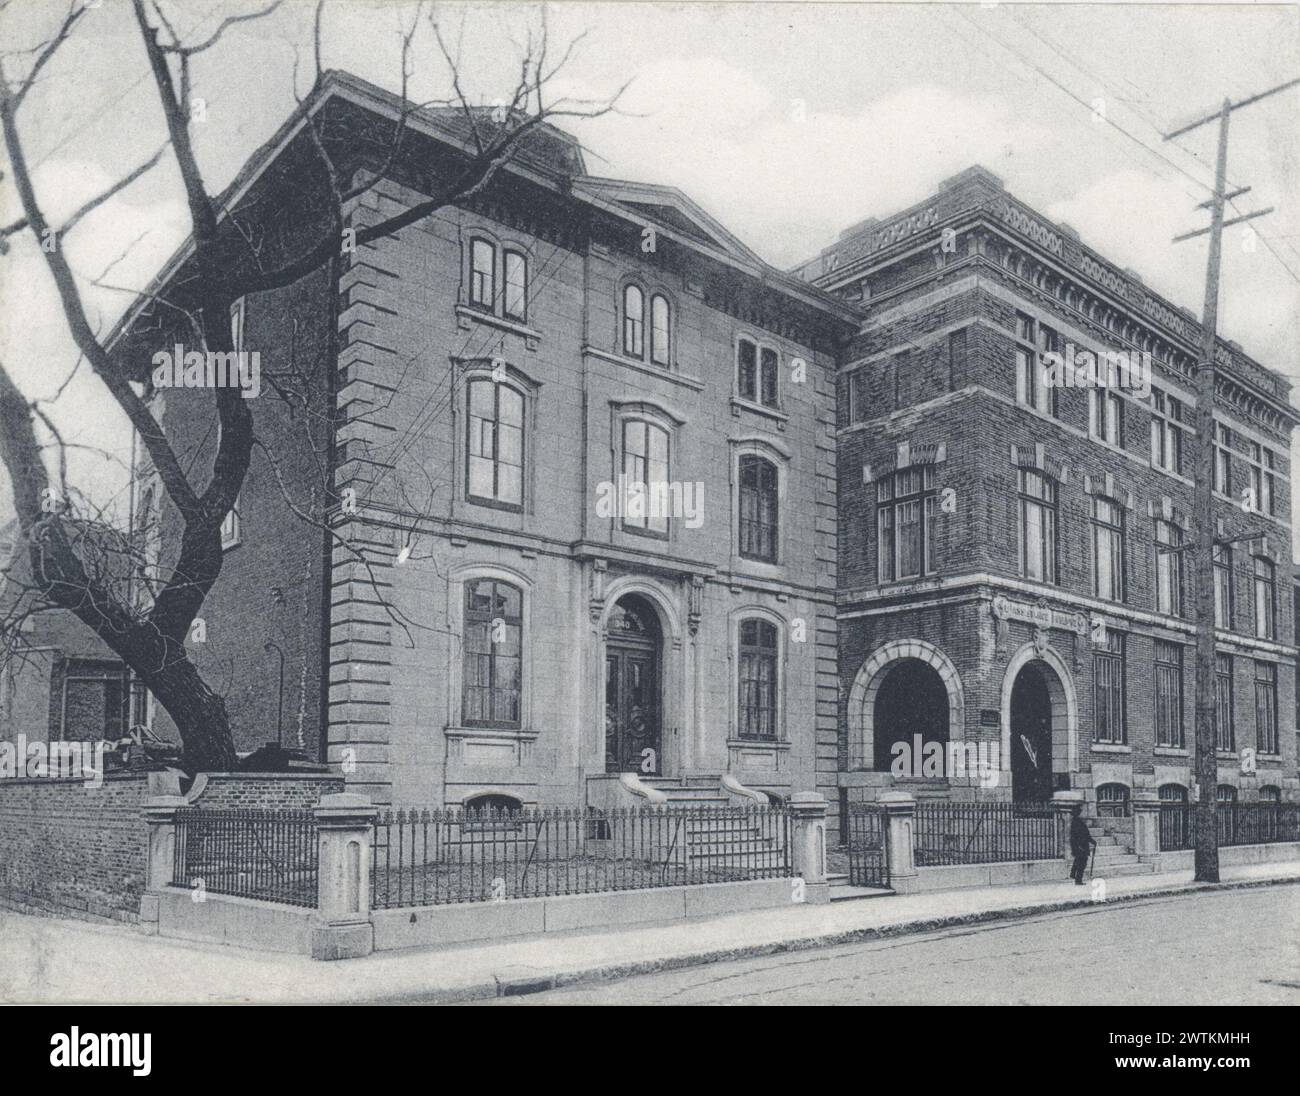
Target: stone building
582,479
1005,578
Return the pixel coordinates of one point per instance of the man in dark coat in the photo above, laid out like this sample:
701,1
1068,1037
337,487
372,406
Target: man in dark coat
1081,843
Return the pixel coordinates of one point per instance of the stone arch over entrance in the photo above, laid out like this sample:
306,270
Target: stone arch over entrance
866,685
1064,705
668,669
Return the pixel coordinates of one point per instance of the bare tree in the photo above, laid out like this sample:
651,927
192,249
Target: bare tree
229,258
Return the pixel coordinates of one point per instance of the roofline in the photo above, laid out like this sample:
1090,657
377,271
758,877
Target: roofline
353,89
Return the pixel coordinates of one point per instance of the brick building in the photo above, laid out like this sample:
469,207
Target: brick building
1001,581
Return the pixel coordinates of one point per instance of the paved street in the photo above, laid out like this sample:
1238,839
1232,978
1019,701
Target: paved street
1141,953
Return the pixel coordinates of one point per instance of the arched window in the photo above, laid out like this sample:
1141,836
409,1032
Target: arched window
1173,793
492,678
660,330
1225,794
1270,793
482,274
758,679
516,288
759,512
633,322
494,464
1113,801
1037,525
645,477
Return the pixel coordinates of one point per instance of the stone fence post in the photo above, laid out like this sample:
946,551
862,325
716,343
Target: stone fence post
808,817
160,818
342,928
1063,804
900,825
1146,825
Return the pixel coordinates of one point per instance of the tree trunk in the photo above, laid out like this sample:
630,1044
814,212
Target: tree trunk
199,715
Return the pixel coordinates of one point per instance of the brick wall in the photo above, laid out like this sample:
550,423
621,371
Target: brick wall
80,851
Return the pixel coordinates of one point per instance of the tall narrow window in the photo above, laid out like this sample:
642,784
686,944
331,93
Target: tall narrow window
1169,568
659,329
768,386
758,679
1108,677
956,358
633,322
493,654
1033,339
1262,466
858,396
1106,415
1222,459
482,275
747,370
1169,693
495,446
1223,733
1108,549
1037,526
758,508
1223,586
516,301
1265,599
1168,425
1266,707
905,502
645,472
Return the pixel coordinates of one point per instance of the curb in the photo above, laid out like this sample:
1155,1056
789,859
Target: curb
518,981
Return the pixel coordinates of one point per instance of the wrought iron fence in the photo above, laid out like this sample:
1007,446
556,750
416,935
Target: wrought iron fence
272,855
983,833
436,857
868,845
1235,824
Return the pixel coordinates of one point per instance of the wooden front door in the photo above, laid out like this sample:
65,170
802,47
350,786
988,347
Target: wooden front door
1031,737
632,724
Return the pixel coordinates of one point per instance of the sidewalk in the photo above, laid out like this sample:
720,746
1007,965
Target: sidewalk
49,960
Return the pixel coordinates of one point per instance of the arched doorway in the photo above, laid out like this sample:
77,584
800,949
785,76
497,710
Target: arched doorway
1031,734
633,673
912,707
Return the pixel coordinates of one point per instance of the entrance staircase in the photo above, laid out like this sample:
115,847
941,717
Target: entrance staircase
1115,856
727,842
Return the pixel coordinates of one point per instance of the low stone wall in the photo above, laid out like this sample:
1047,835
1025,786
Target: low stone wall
76,850
1278,852
952,877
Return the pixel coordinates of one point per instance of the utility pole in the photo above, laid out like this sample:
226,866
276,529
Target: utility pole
1205,764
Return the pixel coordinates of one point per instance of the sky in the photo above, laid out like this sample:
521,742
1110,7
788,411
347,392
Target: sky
789,122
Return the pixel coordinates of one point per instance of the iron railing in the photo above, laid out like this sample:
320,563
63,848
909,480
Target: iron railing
436,857
1235,824
983,833
868,845
267,854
